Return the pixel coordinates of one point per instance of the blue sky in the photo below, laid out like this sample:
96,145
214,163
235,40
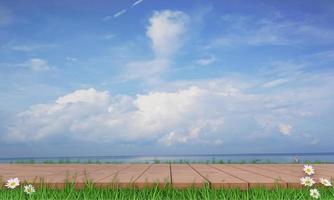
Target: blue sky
165,77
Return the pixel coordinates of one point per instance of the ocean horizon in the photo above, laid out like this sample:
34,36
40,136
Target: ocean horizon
327,157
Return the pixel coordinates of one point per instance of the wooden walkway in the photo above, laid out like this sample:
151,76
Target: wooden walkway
241,176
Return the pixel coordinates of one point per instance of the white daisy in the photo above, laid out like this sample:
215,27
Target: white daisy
12,183
29,189
308,169
314,193
325,182
307,181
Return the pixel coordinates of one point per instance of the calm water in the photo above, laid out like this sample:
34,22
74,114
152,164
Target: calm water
277,158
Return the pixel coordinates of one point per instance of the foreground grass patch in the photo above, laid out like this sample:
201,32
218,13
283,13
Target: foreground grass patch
90,192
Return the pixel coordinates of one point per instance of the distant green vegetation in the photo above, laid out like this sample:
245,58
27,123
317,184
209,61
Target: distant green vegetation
206,193
63,162
156,161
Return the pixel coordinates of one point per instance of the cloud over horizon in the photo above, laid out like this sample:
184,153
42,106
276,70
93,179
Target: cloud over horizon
188,115
174,77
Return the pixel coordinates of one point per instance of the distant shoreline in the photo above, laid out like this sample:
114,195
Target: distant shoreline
172,155
326,157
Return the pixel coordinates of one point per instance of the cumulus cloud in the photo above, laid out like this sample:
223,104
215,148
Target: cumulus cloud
285,129
210,112
83,96
89,114
45,120
166,29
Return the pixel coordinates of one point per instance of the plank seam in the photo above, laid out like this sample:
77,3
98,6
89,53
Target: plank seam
142,173
170,173
126,166
200,174
285,183
66,171
248,185
96,170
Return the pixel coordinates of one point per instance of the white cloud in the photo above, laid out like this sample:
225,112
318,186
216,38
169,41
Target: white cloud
206,61
94,115
109,36
274,83
24,48
43,120
166,30
32,47
272,30
84,96
137,2
285,129
168,139
209,112
119,13
37,64
149,70
107,18
33,64
71,59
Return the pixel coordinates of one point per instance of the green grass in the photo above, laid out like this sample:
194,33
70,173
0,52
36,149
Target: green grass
206,193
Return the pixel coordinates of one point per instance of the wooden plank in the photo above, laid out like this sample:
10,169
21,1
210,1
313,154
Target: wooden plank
291,180
184,176
326,167
157,174
294,171
180,176
253,180
93,176
51,175
298,170
125,177
49,169
218,179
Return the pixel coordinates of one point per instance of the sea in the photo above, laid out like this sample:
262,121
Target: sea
327,157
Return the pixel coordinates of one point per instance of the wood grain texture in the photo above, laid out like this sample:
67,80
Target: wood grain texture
241,176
